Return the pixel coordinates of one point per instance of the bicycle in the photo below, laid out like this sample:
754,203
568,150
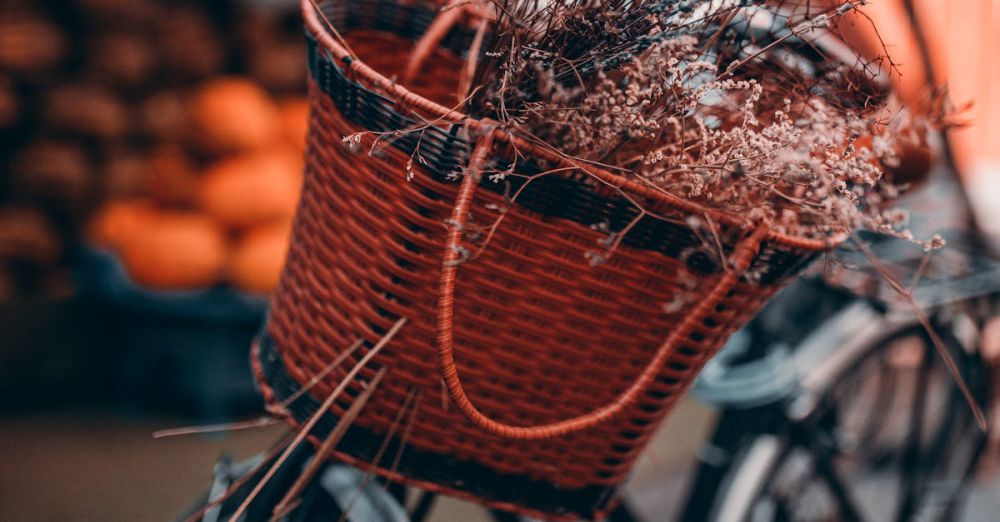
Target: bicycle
749,474
827,427
784,408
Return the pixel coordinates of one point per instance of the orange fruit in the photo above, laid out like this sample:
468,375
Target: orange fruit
233,114
117,221
179,250
256,262
251,189
295,122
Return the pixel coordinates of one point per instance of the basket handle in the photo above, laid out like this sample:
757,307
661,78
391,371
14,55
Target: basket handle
443,22
742,256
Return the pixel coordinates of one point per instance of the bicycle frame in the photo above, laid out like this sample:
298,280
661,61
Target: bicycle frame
801,420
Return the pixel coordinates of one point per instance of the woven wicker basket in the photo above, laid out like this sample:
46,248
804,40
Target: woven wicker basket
557,372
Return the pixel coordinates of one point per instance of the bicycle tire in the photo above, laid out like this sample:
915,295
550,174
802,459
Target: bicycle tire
759,459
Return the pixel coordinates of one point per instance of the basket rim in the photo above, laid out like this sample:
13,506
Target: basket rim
360,70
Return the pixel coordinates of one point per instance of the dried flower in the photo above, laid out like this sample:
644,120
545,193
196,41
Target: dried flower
698,103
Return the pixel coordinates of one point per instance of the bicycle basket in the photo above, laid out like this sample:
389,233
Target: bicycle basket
541,334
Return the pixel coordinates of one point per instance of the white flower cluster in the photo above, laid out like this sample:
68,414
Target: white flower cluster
748,144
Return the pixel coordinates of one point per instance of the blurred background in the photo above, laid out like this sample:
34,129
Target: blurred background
150,162
151,159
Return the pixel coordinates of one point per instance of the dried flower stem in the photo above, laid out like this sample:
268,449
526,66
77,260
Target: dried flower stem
306,428
319,458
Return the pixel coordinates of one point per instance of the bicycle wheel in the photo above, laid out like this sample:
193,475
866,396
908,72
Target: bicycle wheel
888,437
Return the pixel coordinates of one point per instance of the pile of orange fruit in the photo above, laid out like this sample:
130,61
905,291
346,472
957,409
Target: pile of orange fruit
219,209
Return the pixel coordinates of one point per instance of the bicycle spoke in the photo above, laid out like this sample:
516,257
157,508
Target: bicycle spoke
828,473
912,479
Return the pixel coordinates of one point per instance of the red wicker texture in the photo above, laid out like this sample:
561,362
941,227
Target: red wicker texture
705,307
395,475
565,368
541,335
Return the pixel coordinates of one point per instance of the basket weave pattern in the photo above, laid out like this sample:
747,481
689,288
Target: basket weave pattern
541,335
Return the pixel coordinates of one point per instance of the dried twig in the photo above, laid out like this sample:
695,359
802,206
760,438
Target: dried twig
408,401
306,428
324,450
281,406
238,483
939,345
259,422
